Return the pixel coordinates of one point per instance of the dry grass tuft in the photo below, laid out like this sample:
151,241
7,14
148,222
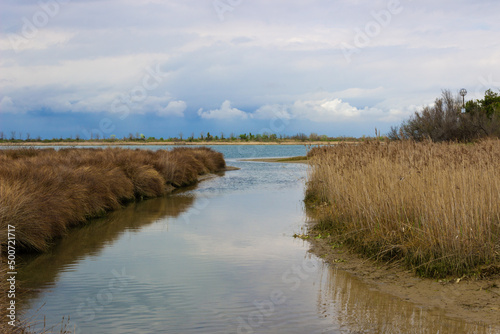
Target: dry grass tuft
434,206
44,191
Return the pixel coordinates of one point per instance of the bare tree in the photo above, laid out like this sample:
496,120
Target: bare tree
13,135
444,121
180,135
1,135
28,136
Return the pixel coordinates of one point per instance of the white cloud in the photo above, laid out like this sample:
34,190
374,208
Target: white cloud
225,112
283,56
359,92
43,40
82,75
273,111
174,108
324,110
6,105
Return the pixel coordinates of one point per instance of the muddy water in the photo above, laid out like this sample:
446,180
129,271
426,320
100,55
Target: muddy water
218,258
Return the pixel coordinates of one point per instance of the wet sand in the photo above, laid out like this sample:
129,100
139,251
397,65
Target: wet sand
474,300
300,159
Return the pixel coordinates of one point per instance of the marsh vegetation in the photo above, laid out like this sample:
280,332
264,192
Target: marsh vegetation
45,191
433,206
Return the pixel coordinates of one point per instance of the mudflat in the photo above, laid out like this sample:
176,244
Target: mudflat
473,299
299,159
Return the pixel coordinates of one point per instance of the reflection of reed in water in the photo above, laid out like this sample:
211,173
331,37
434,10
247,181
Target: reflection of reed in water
42,269
355,308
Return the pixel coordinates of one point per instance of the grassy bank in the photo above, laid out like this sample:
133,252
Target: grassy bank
43,192
434,207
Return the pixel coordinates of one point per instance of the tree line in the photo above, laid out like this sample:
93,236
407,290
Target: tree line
448,119
17,137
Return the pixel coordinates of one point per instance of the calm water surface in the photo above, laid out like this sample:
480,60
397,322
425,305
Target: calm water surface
217,258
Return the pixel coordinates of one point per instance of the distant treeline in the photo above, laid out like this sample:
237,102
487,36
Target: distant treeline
14,137
448,119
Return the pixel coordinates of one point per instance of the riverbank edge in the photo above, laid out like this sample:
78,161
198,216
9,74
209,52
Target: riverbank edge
169,189
137,176
22,326
475,300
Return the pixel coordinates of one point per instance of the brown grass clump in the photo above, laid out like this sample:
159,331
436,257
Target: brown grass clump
434,206
44,191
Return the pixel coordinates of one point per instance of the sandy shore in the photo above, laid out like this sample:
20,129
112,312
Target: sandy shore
300,159
471,299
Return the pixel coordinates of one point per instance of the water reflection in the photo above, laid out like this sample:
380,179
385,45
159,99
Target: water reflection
41,270
201,261
355,308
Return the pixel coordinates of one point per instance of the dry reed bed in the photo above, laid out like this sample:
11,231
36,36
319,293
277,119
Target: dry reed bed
43,192
436,207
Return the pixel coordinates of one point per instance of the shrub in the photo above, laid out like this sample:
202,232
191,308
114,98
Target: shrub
444,121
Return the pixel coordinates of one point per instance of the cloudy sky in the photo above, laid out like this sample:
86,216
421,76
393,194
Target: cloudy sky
162,67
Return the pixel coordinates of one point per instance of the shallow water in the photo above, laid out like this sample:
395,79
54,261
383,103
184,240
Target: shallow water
217,258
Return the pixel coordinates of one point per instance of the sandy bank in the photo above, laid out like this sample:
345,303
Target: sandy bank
299,159
471,299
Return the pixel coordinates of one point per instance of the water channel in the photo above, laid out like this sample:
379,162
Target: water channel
219,257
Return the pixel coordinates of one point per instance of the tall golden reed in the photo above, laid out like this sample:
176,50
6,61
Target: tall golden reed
435,206
44,191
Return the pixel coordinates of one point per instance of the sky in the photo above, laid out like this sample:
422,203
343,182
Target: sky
164,68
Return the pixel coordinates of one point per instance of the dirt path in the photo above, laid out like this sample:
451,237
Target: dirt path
473,300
